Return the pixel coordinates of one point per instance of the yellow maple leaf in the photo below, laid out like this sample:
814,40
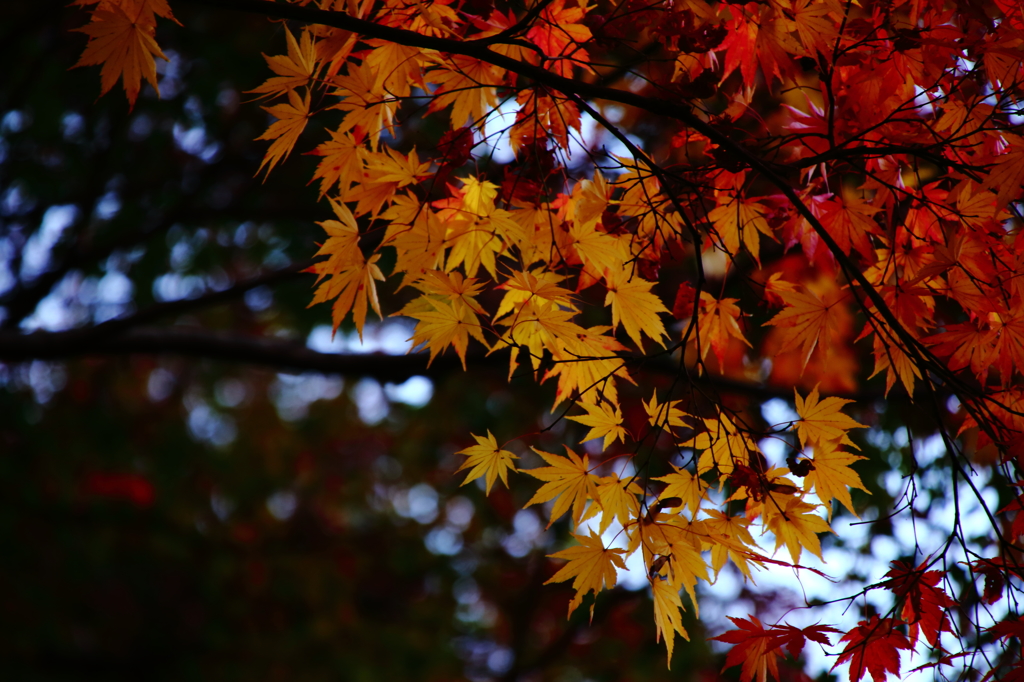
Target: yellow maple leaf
831,475
604,420
488,460
692,490
664,415
452,286
396,167
822,421
568,482
291,121
667,613
679,541
352,288
125,46
537,327
417,235
729,539
585,365
592,566
898,364
618,501
396,68
441,324
722,445
634,306
796,525
601,250
541,284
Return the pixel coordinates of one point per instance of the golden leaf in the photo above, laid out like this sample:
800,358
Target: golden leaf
488,460
568,482
592,566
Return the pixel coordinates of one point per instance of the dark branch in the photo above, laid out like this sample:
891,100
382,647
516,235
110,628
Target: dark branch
285,355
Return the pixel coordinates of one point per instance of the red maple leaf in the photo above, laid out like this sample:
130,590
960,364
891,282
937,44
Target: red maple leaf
923,600
873,648
1009,628
756,647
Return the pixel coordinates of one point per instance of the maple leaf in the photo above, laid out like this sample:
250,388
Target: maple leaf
520,287
822,421
668,617
813,25
730,539
352,288
849,221
125,46
291,121
897,363
1009,628
342,162
603,251
568,482
873,648
587,364
691,490
1007,174
604,420
722,445
342,245
366,110
740,219
635,307
488,460
717,322
618,501
592,566
831,476
757,648
807,323
467,84
924,602
796,525
560,34
293,70
441,324
539,327
664,415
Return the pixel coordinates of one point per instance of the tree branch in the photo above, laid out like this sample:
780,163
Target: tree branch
287,355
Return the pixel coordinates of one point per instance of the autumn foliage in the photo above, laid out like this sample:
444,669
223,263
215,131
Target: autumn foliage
854,169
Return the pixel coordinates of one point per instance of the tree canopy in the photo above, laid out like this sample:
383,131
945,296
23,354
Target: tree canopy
695,298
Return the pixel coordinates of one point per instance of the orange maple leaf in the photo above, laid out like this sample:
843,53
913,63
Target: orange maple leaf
292,117
808,323
125,46
560,35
